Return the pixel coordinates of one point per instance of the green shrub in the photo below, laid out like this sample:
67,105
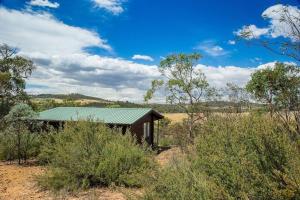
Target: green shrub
234,157
252,157
180,181
17,140
86,154
26,143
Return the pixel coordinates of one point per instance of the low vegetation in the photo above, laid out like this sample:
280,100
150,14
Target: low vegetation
19,140
249,157
87,154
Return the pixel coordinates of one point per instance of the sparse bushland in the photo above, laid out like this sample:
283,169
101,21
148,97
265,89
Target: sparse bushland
234,157
86,154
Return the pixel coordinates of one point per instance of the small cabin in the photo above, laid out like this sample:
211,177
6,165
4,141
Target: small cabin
139,121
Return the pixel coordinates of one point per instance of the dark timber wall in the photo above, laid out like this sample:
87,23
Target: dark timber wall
138,129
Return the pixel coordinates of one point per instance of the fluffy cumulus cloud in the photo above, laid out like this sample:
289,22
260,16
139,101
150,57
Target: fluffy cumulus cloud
44,3
142,57
283,28
280,18
41,32
219,76
115,78
63,65
113,6
210,48
252,31
111,78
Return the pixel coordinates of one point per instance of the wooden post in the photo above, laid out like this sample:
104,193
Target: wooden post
152,130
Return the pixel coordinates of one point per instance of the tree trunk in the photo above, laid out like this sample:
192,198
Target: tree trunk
19,147
191,126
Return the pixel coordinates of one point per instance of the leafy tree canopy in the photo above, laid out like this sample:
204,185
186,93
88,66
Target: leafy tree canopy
14,70
279,87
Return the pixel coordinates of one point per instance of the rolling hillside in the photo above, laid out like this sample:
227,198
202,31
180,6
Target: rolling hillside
46,101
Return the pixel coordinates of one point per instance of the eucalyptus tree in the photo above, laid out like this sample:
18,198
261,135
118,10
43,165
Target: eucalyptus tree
279,88
14,70
185,86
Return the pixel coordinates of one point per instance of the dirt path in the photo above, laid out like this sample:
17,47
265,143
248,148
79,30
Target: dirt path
17,182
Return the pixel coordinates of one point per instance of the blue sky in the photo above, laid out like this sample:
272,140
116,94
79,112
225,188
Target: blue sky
116,30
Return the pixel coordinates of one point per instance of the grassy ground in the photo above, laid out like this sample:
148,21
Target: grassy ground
18,182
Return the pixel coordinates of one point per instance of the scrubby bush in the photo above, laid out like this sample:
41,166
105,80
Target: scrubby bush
18,140
86,154
21,146
235,157
252,157
180,181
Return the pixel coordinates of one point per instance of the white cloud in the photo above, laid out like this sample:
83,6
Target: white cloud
41,32
115,78
110,78
231,42
113,6
211,48
219,76
142,57
272,64
280,18
278,27
252,31
44,3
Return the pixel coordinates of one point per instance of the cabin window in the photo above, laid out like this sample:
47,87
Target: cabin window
146,129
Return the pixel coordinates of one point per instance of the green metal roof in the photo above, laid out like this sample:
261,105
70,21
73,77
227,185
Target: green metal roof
105,115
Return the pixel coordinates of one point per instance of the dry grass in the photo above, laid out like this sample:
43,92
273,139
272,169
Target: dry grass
88,101
179,117
175,117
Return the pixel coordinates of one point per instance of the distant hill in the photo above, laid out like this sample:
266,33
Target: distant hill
46,101
73,96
